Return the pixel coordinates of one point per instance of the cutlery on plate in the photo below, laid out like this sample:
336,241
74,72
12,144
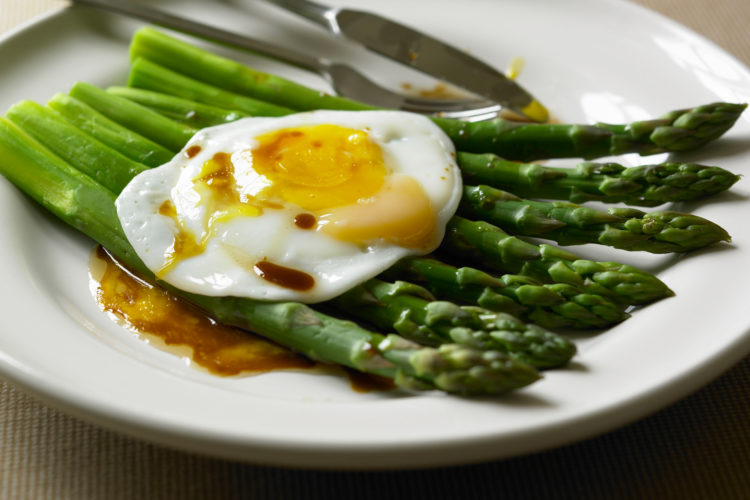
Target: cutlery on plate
345,80
421,52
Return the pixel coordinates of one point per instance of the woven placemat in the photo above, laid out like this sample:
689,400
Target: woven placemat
724,22
697,448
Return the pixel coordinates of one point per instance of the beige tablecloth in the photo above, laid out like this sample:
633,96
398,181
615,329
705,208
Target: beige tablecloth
697,448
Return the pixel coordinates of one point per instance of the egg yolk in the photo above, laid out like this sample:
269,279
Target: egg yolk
339,174
400,213
336,174
320,167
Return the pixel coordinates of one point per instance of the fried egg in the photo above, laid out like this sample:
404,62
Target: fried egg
300,207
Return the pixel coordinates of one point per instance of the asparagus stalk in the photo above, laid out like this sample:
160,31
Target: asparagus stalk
95,159
150,76
134,146
564,306
622,284
568,308
570,224
645,185
89,207
413,313
388,308
556,305
190,113
500,251
221,72
676,131
141,120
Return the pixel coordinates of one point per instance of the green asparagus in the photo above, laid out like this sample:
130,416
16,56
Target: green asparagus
497,250
563,307
95,159
148,43
89,207
76,154
413,313
679,130
556,305
570,224
140,121
623,284
119,138
676,131
190,113
645,185
150,76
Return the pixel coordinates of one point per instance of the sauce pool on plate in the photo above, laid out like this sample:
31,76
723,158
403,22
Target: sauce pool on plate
178,326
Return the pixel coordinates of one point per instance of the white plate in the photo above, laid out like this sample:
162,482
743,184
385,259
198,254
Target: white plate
586,59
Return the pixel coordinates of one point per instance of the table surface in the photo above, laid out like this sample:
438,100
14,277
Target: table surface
696,448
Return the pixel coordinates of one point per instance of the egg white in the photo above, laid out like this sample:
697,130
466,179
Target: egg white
411,145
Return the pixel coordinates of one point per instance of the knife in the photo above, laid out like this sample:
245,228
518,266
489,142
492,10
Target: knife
421,52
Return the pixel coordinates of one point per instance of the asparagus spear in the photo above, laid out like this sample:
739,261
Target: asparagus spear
564,306
658,232
141,120
150,76
571,307
95,159
412,312
623,284
527,350
646,185
556,305
224,73
129,143
498,250
190,113
89,207
676,131
570,224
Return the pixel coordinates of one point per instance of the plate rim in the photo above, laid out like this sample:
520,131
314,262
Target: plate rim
666,393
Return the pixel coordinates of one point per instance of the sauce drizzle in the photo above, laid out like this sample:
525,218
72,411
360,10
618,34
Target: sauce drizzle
305,221
284,276
192,151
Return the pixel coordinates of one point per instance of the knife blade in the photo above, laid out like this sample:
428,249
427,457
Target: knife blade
421,52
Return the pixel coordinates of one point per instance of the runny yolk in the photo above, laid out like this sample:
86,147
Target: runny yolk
320,167
339,175
400,214
335,174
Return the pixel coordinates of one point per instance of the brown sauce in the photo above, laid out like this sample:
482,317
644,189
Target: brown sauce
151,310
365,382
305,221
181,328
284,276
193,151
